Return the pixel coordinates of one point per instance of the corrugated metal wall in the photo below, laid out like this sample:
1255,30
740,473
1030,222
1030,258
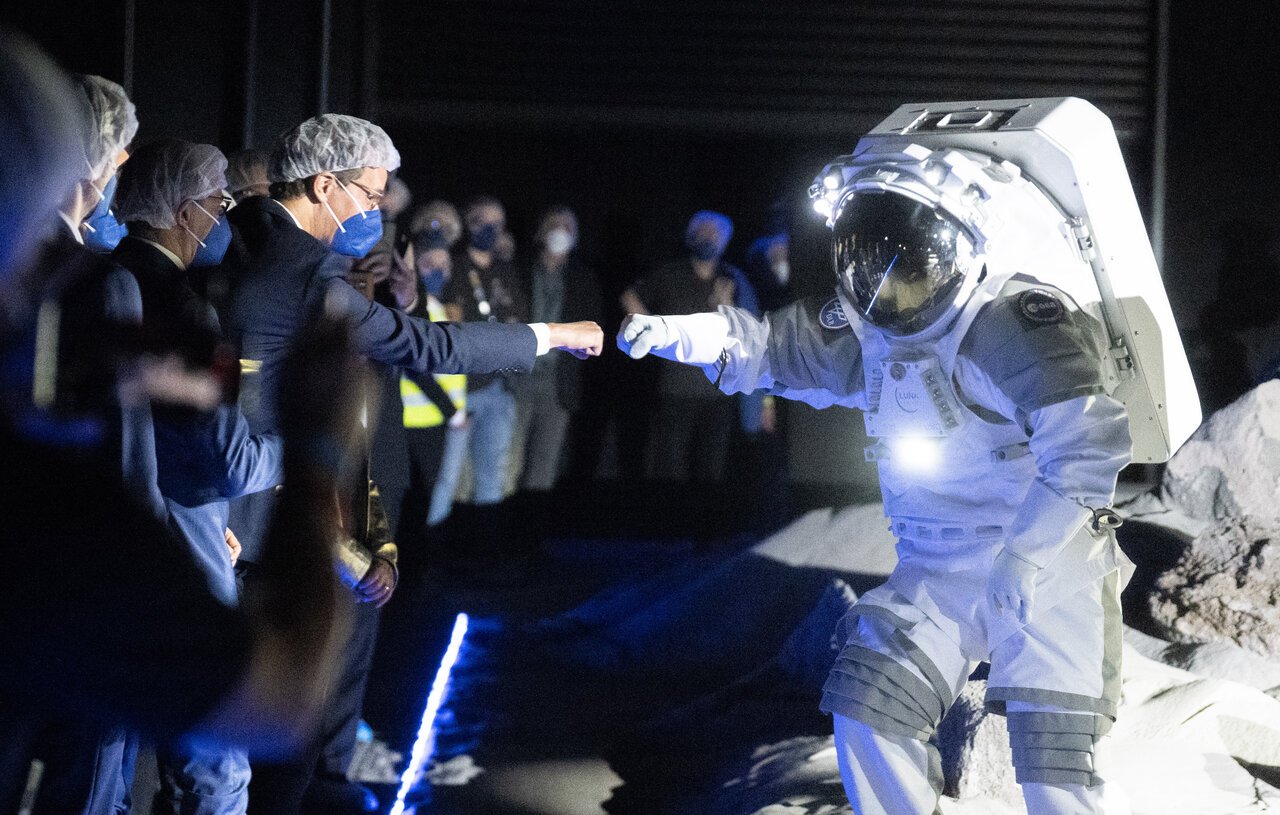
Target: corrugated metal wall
774,67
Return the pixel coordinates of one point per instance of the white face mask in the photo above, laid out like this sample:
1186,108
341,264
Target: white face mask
782,272
559,241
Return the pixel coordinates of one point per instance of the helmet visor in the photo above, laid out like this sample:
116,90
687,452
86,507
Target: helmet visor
901,263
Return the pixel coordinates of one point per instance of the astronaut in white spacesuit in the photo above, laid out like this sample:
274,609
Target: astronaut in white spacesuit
958,326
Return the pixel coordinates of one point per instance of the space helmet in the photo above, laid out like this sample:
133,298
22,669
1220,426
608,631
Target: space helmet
902,264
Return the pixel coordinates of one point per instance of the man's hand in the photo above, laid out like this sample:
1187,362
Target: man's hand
1011,589
378,585
641,333
233,543
583,339
403,283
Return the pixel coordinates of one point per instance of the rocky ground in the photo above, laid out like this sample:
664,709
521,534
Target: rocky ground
686,679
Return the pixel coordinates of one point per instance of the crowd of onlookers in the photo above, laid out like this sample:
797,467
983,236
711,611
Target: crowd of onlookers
224,380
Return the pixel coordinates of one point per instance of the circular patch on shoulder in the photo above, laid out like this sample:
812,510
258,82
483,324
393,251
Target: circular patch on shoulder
1040,307
832,315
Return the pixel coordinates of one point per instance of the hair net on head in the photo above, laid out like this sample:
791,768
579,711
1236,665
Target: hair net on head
721,222
246,168
161,176
329,144
115,121
42,120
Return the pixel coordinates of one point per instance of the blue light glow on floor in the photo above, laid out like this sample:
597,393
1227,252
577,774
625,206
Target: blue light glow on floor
425,744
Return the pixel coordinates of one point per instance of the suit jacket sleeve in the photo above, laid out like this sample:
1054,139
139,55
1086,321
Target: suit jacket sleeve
394,338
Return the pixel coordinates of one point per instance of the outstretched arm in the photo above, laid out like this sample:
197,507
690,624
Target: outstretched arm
789,352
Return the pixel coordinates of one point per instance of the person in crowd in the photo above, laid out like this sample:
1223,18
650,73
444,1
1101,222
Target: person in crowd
438,225
172,196
691,430
247,173
557,284
432,403
328,176
768,262
483,288
439,222
113,622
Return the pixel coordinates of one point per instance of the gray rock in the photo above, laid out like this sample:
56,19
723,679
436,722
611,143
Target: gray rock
1230,467
976,762
1212,660
1224,588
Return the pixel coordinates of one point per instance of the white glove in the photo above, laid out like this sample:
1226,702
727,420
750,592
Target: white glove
641,333
1011,589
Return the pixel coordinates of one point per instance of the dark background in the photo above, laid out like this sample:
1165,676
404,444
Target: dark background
637,112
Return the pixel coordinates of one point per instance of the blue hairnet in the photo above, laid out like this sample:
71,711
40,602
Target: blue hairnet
115,121
329,144
160,177
721,222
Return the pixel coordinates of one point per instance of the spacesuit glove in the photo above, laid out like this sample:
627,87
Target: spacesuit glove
1011,588
694,339
642,333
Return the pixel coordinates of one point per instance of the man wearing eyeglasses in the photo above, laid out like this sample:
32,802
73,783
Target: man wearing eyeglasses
172,196
328,176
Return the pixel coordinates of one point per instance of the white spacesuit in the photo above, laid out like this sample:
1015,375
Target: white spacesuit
977,325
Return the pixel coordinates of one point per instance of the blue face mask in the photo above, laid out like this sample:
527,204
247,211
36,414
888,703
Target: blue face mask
103,231
358,234
704,249
485,238
214,246
434,280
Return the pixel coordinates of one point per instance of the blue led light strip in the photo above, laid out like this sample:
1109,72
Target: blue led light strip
425,744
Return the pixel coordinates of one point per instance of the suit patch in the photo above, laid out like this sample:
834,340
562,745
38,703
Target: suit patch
1040,307
832,316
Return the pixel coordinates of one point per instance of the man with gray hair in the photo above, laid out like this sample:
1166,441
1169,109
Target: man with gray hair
172,196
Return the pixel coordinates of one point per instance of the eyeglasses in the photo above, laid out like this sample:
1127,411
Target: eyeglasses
375,197
225,202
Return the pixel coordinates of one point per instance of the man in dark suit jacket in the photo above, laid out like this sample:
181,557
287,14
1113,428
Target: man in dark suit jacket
327,177
172,196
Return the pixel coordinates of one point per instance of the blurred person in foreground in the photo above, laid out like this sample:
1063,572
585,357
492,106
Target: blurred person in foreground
172,195
329,175
87,304
89,632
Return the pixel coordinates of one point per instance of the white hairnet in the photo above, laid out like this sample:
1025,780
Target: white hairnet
246,168
115,121
161,176
329,144
41,125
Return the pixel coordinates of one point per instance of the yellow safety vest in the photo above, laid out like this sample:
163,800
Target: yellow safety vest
420,411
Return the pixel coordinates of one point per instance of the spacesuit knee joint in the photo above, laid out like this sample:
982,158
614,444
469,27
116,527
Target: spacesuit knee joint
1054,748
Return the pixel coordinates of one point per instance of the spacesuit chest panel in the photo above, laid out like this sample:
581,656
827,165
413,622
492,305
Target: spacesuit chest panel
936,457
910,396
